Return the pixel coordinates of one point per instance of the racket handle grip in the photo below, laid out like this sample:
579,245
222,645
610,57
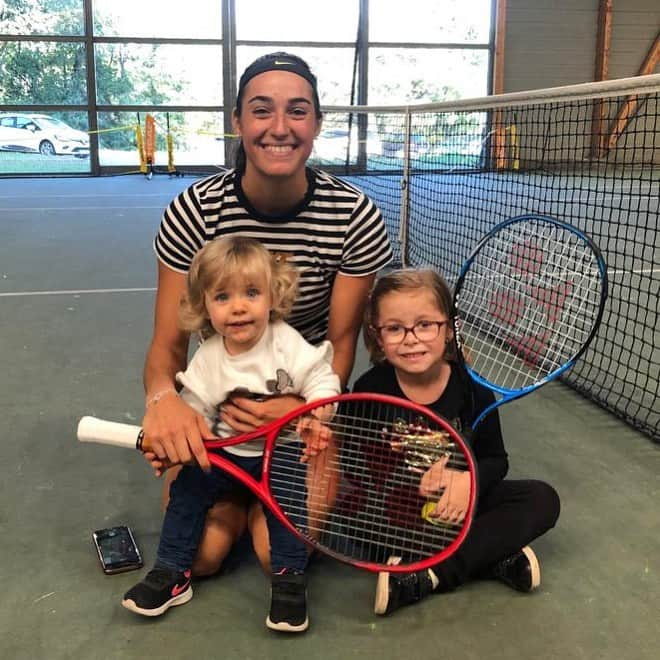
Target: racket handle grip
93,429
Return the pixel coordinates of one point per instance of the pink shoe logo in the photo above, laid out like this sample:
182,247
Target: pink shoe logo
176,590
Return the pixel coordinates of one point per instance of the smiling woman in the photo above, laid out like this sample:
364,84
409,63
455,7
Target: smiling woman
331,233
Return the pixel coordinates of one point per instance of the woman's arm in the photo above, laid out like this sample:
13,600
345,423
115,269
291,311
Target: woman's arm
174,429
347,303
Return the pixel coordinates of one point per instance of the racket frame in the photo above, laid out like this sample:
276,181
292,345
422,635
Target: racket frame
509,394
132,436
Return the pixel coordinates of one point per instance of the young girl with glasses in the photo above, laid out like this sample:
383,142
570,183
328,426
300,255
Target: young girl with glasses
408,331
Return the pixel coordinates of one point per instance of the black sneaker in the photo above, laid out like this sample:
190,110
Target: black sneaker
161,589
288,603
521,571
394,590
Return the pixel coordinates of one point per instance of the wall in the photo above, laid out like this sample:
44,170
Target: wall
553,42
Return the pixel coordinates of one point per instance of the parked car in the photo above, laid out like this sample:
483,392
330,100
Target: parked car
41,133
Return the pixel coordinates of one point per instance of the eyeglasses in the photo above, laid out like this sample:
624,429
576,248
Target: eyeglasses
395,333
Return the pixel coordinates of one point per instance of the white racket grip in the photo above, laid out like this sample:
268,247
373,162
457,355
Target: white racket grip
93,429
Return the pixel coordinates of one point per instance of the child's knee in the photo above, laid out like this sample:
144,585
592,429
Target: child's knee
206,565
547,502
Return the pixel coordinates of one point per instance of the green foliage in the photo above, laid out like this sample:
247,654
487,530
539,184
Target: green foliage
55,73
42,73
20,17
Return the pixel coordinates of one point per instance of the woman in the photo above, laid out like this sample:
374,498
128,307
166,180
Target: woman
331,232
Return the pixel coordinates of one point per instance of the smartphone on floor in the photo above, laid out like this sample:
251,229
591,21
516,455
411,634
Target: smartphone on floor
117,549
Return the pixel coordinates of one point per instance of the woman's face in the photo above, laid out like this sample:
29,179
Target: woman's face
277,124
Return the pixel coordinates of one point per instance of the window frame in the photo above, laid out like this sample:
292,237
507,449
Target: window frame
229,44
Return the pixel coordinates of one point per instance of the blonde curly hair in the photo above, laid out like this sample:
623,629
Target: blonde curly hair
402,280
223,260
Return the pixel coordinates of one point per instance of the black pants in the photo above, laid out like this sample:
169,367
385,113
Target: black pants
509,516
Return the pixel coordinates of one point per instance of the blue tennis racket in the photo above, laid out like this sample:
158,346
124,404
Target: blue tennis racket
528,301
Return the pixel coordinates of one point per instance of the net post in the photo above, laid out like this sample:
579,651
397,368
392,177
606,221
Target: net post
405,191
139,142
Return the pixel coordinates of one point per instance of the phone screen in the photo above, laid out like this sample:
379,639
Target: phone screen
117,549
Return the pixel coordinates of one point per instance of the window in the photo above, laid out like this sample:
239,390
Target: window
196,19
169,60
42,17
292,20
42,72
197,138
430,21
158,74
405,76
452,64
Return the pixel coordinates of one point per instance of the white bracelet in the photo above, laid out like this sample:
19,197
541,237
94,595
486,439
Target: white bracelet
159,395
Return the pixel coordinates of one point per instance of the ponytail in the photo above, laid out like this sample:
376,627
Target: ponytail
240,159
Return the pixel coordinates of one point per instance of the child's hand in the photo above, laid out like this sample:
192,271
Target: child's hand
314,432
455,485
435,478
244,414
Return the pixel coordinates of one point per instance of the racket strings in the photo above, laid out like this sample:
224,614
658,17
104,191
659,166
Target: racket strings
528,303
420,450
359,497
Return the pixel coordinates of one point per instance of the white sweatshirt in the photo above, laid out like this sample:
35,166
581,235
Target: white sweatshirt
282,362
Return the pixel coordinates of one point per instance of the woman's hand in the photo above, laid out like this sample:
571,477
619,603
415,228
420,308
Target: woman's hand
244,415
175,433
158,465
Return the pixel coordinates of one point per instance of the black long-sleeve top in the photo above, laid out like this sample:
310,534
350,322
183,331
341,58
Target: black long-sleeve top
460,403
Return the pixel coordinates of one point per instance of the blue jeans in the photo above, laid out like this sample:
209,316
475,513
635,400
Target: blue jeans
194,492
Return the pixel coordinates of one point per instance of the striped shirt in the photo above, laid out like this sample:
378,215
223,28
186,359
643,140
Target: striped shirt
335,229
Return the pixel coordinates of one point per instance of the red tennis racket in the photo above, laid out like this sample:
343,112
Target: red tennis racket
358,500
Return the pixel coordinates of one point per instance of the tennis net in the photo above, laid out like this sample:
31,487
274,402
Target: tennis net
444,174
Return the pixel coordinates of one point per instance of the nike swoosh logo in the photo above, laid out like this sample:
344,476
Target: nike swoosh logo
176,590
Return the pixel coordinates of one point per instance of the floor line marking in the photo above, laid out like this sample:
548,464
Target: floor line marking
75,196
73,292
128,209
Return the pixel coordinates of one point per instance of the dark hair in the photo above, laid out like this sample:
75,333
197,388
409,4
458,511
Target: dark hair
279,61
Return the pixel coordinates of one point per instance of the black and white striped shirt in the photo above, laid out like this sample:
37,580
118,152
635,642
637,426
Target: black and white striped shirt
335,229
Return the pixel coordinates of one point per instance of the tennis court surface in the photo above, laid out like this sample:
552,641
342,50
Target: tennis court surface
76,298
